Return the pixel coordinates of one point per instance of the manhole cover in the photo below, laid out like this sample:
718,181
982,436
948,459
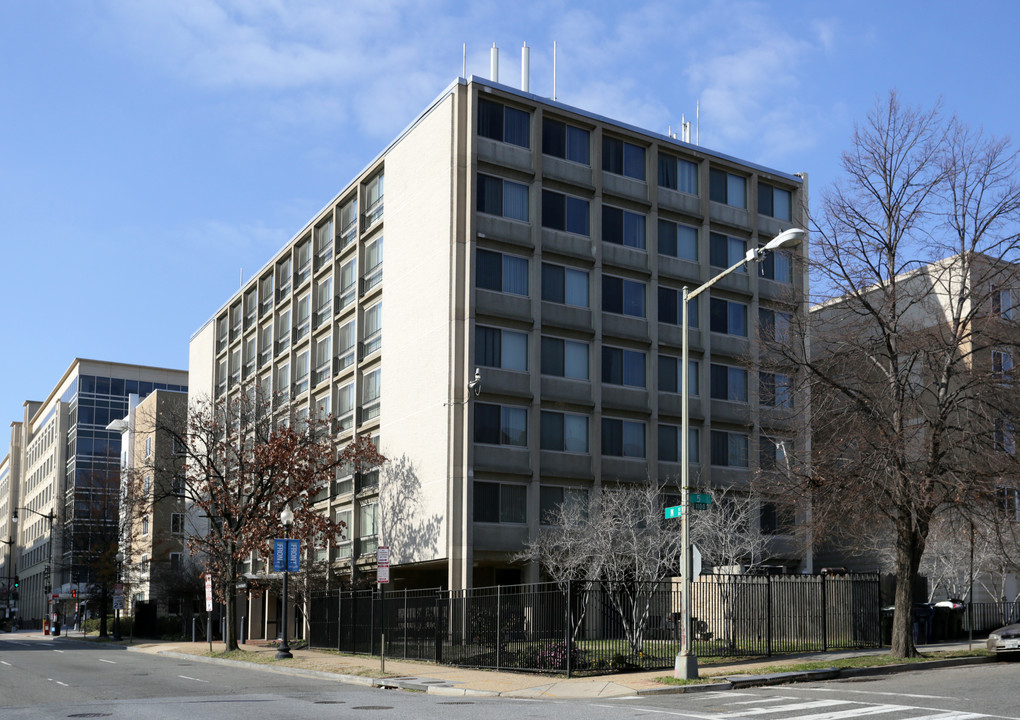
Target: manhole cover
372,707
89,715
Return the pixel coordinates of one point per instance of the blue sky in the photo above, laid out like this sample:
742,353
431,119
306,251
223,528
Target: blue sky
151,151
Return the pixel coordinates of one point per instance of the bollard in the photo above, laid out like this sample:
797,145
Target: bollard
194,628
242,629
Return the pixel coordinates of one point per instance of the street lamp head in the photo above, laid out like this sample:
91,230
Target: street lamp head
14,517
119,557
287,516
786,239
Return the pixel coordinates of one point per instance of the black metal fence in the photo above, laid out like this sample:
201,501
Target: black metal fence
600,627
989,616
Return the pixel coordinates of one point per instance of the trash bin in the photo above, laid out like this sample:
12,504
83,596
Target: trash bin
56,628
922,623
887,622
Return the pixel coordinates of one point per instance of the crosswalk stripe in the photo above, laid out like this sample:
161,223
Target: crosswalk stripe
764,700
951,716
855,712
811,705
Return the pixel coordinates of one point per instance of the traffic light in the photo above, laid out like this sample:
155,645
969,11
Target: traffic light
74,594
17,583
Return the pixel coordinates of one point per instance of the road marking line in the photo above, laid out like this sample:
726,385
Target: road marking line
951,716
60,683
59,651
876,692
4,662
764,700
185,677
856,712
810,705
107,661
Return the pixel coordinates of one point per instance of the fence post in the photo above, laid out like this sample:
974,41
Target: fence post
768,616
825,613
405,623
499,607
567,631
439,636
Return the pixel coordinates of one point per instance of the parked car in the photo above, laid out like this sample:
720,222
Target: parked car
1005,640
951,603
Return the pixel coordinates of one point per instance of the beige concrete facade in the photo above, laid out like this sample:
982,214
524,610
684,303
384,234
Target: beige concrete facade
497,229
62,461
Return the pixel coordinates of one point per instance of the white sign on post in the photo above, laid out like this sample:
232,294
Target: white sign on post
208,593
382,564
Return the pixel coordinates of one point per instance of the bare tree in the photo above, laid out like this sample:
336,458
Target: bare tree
914,255
241,468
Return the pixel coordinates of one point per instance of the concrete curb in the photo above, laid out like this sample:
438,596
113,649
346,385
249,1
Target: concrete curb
283,670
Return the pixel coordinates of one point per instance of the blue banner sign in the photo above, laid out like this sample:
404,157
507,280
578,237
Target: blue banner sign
294,556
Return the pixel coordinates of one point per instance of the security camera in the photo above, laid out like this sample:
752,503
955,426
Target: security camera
475,385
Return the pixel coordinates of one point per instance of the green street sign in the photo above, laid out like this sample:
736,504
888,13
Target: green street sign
701,499
674,512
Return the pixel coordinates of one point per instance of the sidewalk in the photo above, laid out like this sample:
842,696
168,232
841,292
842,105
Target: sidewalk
455,681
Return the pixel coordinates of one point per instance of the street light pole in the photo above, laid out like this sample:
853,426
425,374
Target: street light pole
287,518
686,665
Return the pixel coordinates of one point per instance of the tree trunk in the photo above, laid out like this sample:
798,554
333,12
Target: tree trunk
908,553
230,607
103,597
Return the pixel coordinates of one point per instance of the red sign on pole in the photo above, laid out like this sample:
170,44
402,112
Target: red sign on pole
382,564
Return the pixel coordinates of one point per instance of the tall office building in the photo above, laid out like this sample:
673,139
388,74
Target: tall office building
523,345
59,483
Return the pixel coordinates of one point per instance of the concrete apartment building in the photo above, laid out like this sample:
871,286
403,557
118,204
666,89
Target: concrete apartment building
523,344
155,518
64,464
978,293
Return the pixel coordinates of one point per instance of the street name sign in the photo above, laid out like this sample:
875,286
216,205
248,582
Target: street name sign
674,512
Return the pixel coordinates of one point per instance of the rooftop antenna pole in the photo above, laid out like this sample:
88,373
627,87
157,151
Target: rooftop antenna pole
463,63
240,279
554,69
526,68
494,63
697,124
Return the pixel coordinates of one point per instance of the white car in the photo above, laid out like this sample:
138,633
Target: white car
1005,639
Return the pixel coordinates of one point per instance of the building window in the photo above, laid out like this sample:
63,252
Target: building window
622,227
372,329
774,325
504,198
148,446
323,359
266,294
565,212
368,528
323,301
773,201
501,425
498,348
301,373
348,284
677,240
1009,501
775,390
322,407
251,304
728,383
669,444
345,407
567,286
373,264
500,503
724,251
728,317
669,374
373,200
303,316
564,432
283,278
565,141
345,339
501,272
1002,302
1002,362
678,174
727,188
773,454
348,222
303,261
249,355
176,563
671,307
342,549
178,483
282,331
504,123
776,518
623,367
552,498
235,366
777,265
177,523
565,358
1004,437
283,383
235,322
324,243
729,449
370,391
623,297
623,438
145,525
623,158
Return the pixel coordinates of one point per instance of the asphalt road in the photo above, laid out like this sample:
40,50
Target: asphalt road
82,680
